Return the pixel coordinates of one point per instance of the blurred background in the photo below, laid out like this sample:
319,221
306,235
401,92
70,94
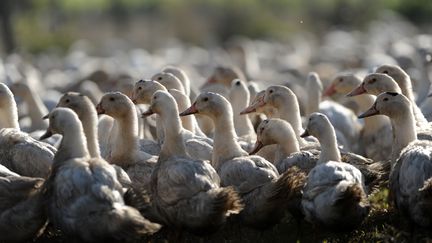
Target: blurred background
54,25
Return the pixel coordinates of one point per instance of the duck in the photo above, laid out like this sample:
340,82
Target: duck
20,152
239,99
22,214
377,83
82,105
189,122
124,149
335,194
375,136
285,102
200,148
35,106
169,81
263,191
280,133
85,198
344,121
181,75
410,180
186,192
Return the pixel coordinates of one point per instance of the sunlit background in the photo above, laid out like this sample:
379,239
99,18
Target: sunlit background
37,26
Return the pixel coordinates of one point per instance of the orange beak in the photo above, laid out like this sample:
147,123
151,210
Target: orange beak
331,90
371,112
99,109
190,110
258,145
357,91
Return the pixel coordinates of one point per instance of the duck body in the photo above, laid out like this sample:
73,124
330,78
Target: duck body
333,196
24,155
22,214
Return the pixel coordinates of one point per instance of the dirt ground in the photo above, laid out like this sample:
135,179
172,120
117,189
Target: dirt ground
382,225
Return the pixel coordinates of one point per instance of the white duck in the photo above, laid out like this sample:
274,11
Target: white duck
189,122
22,213
85,196
170,81
239,99
124,149
344,121
375,137
35,106
410,180
165,106
334,195
84,108
185,191
377,83
181,75
19,152
279,132
264,192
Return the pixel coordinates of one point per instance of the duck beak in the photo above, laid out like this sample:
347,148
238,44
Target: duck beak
190,110
331,90
258,145
305,134
46,135
357,91
371,112
253,107
147,113
248,110
99,109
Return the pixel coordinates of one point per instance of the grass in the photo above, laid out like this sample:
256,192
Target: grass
382,225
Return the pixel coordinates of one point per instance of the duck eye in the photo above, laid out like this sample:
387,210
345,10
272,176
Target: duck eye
385,99
385,71
159,78
238,83
205,99
270,91
139,88
111,99
341,80
155,98
67,100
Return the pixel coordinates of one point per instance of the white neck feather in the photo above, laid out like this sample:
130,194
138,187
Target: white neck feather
287,142
9,116
173,144
36,109
225,144
124,140
73,144
404,132
290,112
243,125
90,123
328,142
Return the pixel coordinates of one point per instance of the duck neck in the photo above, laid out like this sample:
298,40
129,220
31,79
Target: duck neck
287,142
36,110
125,143
225,144
290,112
329,148
242,124
188,123
9,116
73,144
404,132
314,100
406,88
173,144
90,123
